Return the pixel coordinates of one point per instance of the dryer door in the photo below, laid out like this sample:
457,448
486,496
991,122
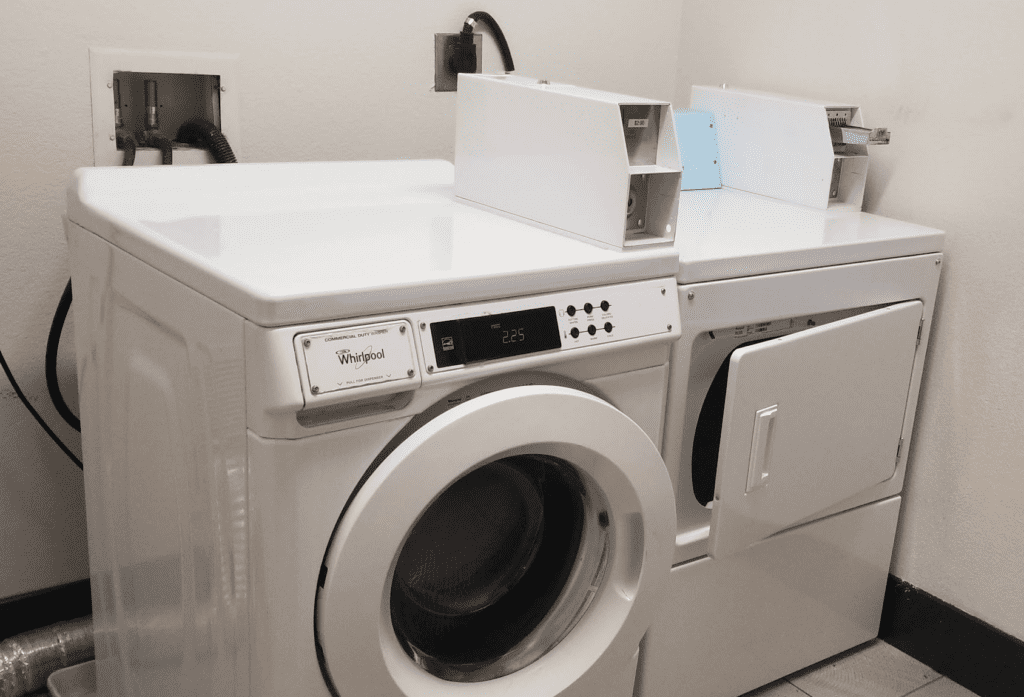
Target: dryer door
811,419
518,543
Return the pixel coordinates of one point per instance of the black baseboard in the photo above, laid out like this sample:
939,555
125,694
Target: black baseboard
975,654
34,610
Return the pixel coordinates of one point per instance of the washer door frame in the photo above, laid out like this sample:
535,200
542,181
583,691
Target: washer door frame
358,650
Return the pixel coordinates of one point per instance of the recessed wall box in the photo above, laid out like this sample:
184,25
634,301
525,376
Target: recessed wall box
799,150
187,86
594,165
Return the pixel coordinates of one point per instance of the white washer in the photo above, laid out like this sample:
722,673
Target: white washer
791,405
345,436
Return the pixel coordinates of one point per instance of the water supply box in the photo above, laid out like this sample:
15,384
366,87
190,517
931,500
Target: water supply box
803,151
589,164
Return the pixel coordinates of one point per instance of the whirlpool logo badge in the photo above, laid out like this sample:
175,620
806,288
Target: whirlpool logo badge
361,359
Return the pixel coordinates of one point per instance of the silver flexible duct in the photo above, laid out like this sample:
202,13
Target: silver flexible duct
26,660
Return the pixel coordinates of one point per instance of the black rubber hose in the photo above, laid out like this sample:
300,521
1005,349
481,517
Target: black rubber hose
156,139
126,142
35,414
204,134
52,344
499,36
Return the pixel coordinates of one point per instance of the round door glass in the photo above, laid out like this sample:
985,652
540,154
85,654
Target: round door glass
499,568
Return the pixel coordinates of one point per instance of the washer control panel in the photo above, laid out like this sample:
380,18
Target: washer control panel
548,323
392,354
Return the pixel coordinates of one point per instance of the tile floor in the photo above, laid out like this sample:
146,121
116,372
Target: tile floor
874,669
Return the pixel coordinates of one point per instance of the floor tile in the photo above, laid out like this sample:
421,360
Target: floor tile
943,687
875,669
776,689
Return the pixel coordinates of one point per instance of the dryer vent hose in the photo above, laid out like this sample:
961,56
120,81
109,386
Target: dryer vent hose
26,660
206,135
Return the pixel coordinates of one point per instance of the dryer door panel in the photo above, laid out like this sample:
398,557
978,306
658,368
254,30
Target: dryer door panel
810,419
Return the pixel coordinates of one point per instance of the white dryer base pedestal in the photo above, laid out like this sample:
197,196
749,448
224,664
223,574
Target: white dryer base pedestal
735,624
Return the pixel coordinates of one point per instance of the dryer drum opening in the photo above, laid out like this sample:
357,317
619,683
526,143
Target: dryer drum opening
485,565
708,435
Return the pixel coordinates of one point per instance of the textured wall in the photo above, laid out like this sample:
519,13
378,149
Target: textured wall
948,79
340,80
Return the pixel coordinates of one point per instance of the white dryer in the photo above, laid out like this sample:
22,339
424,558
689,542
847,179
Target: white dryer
791,406
345,436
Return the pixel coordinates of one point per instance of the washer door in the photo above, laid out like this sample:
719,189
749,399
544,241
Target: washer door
507,546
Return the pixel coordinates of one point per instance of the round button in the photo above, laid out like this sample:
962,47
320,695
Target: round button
575,332
588,308
605,305
592,330
608,327
571,310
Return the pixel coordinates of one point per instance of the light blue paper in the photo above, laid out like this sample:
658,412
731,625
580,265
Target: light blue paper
698,150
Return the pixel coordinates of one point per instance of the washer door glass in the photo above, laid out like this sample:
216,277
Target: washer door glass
486,537
487,563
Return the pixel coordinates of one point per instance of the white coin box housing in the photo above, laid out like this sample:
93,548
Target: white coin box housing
803,151
599,166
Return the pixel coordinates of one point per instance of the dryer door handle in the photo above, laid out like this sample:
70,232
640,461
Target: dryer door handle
760,447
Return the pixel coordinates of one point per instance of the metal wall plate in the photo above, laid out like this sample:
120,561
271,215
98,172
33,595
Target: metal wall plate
444,47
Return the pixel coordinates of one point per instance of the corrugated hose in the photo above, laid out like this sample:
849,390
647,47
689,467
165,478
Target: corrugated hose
26,660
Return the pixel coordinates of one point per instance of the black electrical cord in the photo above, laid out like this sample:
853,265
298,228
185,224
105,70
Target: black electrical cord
52,344
463,60
35,414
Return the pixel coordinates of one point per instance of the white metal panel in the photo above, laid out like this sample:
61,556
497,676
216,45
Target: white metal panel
811,419
731,625
161,371
289,243
725,233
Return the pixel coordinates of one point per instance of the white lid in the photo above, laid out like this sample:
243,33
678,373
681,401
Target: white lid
725,233
588,93
302,242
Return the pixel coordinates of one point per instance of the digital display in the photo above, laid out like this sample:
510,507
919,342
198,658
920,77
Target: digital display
474,339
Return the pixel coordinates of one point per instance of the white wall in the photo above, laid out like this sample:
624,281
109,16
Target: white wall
948,79
320,80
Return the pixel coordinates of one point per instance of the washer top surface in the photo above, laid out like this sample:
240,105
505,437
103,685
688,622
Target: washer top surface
726,233
289,243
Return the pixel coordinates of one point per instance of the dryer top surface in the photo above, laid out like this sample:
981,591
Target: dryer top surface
289,243
726,233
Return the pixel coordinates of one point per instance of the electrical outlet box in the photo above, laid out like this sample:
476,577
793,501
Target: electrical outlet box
445,79
188,85
799,150
594,165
